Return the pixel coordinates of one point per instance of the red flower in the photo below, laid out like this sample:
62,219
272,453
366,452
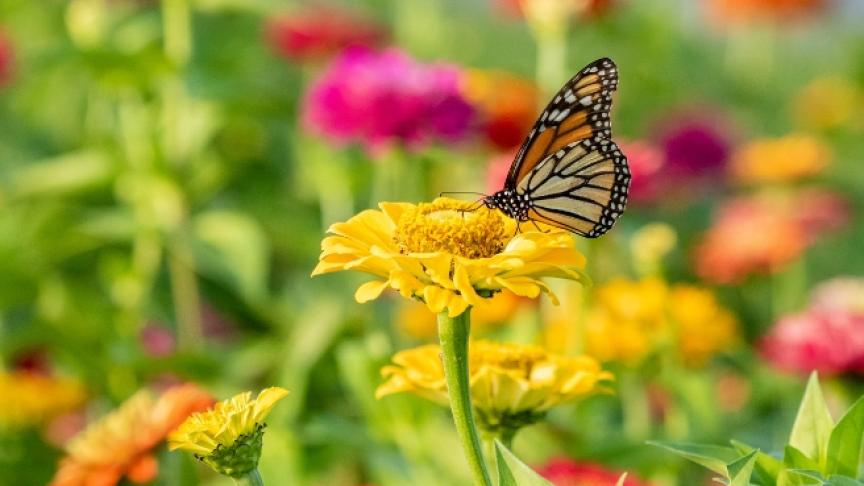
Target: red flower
829,341
506,105
6,59
567,472
321,32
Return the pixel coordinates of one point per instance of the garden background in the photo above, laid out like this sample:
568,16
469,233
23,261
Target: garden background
168,170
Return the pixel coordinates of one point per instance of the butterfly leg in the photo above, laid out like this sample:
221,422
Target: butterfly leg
538,227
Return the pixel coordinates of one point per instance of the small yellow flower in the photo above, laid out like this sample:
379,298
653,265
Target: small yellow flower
35,398
228,437
650,245
827,103
447,254
512,385
781,160
630,320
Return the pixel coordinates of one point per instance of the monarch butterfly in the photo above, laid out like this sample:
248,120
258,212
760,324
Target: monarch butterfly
568,172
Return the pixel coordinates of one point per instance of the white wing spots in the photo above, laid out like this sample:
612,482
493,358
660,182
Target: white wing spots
585,100
569,97
562,115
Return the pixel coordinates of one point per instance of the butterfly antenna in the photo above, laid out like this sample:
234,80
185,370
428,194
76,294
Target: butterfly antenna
459,193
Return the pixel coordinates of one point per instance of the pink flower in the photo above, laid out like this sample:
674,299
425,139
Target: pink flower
496,171
829,341
7,59
381,98
567,472
843,293
321,32
646,167
157,341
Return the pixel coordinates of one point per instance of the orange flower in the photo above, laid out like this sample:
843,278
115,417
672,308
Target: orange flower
121,444
748,11
507,105
785,159
762,234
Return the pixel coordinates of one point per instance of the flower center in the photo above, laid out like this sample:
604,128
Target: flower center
451,226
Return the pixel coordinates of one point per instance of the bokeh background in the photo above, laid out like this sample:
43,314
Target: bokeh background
168,169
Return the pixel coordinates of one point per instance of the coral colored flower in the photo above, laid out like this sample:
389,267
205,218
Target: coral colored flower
228,437
786,159
827,103
646,168
447,254
382,98
321,32
512,385
506,106
415,319
33,398
762,234
630,320
567,472
584,8
755,11
842,293
122,444
7,59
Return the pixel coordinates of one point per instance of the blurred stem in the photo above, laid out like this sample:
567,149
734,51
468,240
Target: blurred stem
393,181
551,59
252,478
453,333
333,185
634,404
177,31
184,290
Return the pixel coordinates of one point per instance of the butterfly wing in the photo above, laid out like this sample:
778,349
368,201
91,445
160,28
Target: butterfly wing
579,111
581,187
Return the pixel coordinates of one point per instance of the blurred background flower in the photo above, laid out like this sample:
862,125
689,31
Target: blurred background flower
827,103
647,168
33,399
750,11
320,32
782,160
507,106
384,98
6,58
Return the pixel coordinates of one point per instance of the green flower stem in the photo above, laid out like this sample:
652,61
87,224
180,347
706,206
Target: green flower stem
252,478
453,333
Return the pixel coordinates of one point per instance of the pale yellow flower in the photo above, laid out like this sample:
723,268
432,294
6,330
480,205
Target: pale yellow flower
223,424
511,385
33,398
828,103
448,253
780,160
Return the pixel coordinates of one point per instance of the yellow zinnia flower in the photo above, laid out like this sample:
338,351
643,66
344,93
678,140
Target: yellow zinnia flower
785,159
228,437
512,385
447,254
36,398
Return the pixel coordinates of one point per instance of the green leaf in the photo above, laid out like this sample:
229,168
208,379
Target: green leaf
741,470
805,477
843,481
844,446
795,459
514,472
768,468
812,429
714,458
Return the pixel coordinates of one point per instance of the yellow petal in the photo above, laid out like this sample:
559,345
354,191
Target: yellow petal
456,306
370,291
436,298
266,400
463,285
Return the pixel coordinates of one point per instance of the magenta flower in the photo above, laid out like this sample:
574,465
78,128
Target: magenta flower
563,471
384,98
696,145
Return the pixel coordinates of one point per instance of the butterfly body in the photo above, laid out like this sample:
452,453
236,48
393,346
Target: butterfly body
568,172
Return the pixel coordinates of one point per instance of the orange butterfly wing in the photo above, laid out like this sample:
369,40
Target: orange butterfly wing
579,111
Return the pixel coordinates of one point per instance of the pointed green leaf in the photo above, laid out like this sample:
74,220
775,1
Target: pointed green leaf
843,481
767,467
795,459
714,458
741,470
844,446
812,429
514,472
805,477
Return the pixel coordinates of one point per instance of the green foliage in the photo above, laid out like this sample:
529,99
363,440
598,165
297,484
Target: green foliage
818,452
513,472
